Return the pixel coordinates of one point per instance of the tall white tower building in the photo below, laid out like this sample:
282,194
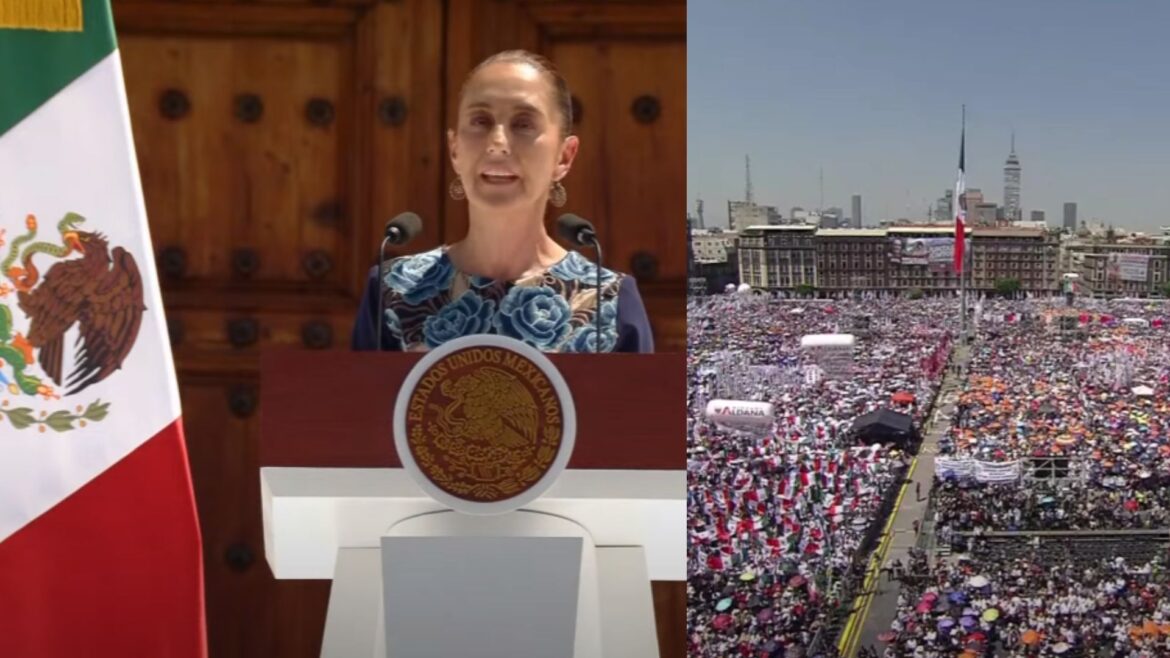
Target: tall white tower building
1011,186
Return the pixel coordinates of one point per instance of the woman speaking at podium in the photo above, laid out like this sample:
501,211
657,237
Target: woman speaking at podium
511,149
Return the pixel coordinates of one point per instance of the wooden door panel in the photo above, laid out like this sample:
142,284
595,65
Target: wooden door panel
642,160
223,462
253,162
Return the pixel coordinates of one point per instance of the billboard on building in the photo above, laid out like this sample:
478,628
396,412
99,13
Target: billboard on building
939,253
1128,267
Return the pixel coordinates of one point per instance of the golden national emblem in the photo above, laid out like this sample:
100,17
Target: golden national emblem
484,423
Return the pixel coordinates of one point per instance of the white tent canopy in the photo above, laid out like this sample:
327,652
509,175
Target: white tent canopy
832,352
827,340
1141,322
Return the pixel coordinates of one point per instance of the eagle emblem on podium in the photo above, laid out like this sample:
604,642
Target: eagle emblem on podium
487,425
491,406
91,288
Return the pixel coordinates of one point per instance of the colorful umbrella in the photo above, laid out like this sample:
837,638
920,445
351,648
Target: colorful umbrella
722,622
723,604
1030,638
990,614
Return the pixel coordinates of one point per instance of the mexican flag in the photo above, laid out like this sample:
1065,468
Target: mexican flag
960,200
100,550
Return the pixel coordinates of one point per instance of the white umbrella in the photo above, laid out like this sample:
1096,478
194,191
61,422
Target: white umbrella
978,581
1144,391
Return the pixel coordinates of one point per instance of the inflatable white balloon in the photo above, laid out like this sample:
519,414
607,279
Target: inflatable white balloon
741,415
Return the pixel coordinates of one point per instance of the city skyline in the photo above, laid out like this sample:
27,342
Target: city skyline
845,87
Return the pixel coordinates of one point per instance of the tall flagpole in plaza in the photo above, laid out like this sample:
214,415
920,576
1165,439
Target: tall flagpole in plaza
960,212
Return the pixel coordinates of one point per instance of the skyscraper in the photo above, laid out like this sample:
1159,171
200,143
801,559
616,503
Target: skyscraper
1011,186
943,209
1070,216
856,211
973,200
1038,216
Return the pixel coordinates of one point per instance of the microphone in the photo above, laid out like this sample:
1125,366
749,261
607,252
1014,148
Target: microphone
579,232
403,228
400,230
576,230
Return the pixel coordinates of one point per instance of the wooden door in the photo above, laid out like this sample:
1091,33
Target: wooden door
276,138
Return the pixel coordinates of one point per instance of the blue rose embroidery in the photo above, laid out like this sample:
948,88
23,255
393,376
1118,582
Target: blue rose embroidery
576,267
418,278
534,314
393,325
584,338
468,315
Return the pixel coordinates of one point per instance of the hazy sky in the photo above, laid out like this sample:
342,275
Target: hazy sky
872,92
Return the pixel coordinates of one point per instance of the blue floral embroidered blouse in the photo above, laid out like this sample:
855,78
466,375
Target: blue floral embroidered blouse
428,302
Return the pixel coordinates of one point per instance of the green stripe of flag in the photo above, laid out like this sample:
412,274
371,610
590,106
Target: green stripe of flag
35,65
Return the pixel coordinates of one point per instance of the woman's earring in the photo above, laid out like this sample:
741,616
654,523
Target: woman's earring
557,195
456,189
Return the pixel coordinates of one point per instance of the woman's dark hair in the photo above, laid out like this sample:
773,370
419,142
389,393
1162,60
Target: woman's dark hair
561,96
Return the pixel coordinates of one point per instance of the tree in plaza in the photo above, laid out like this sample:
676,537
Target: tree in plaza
1007,287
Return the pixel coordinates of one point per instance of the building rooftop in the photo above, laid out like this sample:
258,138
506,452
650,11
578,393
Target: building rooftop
1115,246
925,229
782,227
1009,232
852,233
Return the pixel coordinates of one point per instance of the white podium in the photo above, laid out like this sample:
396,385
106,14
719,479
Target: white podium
566,576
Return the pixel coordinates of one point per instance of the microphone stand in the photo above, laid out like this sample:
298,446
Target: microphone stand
589,237
381,292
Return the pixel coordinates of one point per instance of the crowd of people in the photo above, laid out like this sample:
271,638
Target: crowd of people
779,516
1084,400
1091,401
1040,506
1034,601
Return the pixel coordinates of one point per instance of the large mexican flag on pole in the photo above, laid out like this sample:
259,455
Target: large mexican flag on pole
99,540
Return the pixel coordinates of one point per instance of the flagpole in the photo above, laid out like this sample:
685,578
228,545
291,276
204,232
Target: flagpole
963,237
